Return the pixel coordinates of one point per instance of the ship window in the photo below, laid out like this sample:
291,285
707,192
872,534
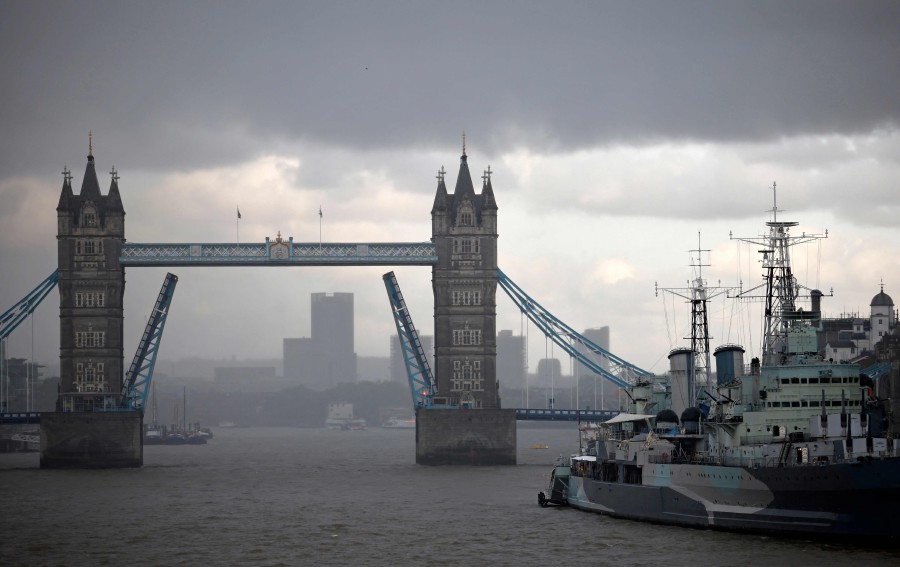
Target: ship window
795,380
813,380
803,380
804,403
795,404
814,404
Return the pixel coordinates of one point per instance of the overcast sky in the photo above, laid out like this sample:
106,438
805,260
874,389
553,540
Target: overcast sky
616,132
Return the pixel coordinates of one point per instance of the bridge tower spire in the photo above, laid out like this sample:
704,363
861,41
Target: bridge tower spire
464,232
90,236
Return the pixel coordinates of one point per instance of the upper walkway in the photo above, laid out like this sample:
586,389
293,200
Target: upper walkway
280,252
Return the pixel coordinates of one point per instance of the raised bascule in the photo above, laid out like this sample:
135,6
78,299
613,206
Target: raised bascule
460,420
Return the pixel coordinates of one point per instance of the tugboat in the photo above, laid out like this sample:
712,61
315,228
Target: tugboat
796,445
558,488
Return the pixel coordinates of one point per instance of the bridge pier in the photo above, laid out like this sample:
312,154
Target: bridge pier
466,437
92,440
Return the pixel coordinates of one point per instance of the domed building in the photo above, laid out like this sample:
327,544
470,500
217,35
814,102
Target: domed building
882,316
851,336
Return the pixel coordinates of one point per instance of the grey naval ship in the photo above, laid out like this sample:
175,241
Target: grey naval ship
793,444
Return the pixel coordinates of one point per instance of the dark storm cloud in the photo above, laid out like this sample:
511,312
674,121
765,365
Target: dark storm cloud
189,84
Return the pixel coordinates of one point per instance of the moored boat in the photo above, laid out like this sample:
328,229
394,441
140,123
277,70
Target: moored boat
398,423
794,444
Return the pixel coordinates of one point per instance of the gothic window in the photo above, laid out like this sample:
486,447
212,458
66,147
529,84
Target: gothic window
91,246
466,246
90,339
466,337
466,297
90,299
90,219
467,376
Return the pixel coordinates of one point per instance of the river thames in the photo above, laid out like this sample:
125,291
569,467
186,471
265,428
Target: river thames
285,496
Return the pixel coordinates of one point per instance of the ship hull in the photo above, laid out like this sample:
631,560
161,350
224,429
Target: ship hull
856,500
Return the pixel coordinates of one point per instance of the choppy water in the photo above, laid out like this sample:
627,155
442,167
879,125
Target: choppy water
281,496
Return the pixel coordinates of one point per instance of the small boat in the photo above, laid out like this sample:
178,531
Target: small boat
397,423
357,424
540,446
153,436
558,488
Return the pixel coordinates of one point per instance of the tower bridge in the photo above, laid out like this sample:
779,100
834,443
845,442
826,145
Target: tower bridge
462,253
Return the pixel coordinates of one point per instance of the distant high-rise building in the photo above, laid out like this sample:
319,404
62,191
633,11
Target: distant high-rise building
326,358
398,365
332,333
549,372
604,394
301,363
510,360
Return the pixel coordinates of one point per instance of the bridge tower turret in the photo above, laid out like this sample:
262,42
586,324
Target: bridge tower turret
90,236
464,279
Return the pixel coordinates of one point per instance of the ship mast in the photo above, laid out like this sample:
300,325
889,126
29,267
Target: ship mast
697,294
781,288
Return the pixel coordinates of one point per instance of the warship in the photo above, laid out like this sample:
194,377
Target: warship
794,444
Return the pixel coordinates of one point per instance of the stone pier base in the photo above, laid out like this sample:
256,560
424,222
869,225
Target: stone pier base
92,440
466,436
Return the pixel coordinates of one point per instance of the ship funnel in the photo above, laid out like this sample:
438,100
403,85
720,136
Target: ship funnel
729,364
815,297
681,361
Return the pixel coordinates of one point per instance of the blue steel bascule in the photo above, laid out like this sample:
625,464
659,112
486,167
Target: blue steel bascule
140,374
421,380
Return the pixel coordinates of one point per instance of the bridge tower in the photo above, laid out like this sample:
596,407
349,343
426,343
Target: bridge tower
90,236
464,280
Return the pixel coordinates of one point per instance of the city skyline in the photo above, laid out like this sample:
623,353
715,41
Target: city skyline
615,133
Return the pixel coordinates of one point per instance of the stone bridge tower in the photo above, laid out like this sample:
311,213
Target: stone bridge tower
464,232
90,235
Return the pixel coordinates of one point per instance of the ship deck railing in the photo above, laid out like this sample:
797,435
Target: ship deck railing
680,459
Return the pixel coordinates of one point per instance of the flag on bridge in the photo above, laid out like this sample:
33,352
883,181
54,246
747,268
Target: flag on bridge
320,211
239,212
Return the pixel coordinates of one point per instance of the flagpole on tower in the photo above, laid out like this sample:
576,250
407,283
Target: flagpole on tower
237,225
320,226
